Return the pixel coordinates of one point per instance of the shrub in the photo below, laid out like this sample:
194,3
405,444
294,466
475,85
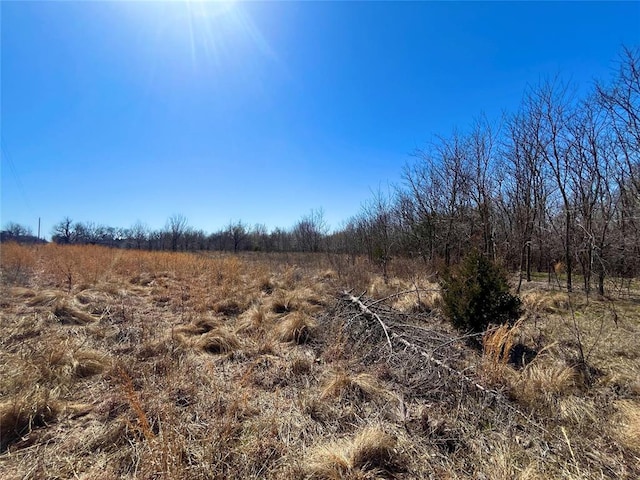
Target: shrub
477,294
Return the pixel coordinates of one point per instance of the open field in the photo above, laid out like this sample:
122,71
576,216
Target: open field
130,364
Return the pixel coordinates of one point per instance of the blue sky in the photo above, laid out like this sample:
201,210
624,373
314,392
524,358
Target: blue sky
120,111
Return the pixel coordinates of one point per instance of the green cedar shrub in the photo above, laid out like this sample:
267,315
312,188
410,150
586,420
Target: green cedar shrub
477,294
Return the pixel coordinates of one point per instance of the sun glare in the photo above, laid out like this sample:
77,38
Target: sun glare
210,31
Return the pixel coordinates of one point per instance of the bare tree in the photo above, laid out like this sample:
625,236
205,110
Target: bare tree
484,178
260,237
17,230
63,231
310,231
238,233
139,233
440,185
588,167
621,100
524,191
176,227
550,105
378,222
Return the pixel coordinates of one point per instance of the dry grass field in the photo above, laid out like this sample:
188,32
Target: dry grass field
129,364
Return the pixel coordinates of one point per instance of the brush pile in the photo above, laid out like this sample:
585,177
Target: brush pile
446,395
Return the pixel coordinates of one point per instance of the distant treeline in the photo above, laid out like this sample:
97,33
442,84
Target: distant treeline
554,185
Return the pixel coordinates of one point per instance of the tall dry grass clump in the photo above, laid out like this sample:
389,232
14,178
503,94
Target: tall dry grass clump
254,319
370,454
17,263
628,428
23,412
541,384
295,327
217,341
497,344
342,384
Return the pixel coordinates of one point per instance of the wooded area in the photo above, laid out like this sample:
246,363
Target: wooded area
553,187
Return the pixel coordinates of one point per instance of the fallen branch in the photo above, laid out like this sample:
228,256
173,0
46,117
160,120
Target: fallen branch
369,313
406,292
429,357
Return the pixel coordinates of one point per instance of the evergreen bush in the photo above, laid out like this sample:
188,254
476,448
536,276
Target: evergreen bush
477,294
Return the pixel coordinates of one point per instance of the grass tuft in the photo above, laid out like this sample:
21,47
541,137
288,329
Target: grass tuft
22,413
217,342
70,315
199,326
342,384
295,327
229,307
496,349
253,319
87,363
539,385
46,298
628,430
372,452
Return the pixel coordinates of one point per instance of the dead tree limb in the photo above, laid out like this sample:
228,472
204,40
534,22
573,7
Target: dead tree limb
369,313
429,357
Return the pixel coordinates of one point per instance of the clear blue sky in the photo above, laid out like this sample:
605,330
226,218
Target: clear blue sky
120,111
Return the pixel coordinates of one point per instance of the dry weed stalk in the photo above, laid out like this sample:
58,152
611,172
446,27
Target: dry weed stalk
136,405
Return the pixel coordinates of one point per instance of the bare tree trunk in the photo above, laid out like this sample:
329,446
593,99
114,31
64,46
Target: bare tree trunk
568,258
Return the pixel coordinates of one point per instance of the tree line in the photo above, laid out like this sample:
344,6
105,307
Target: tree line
554,185
309,234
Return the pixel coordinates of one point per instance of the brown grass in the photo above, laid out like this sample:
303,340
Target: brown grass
628,429
544,301
87,363
343,384
67,314
253,319
370,454
496,348
295,327
198,326
127,364
217,341
541,383
46,298
22,413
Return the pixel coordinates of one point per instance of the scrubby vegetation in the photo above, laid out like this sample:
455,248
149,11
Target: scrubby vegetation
132,364
477,294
